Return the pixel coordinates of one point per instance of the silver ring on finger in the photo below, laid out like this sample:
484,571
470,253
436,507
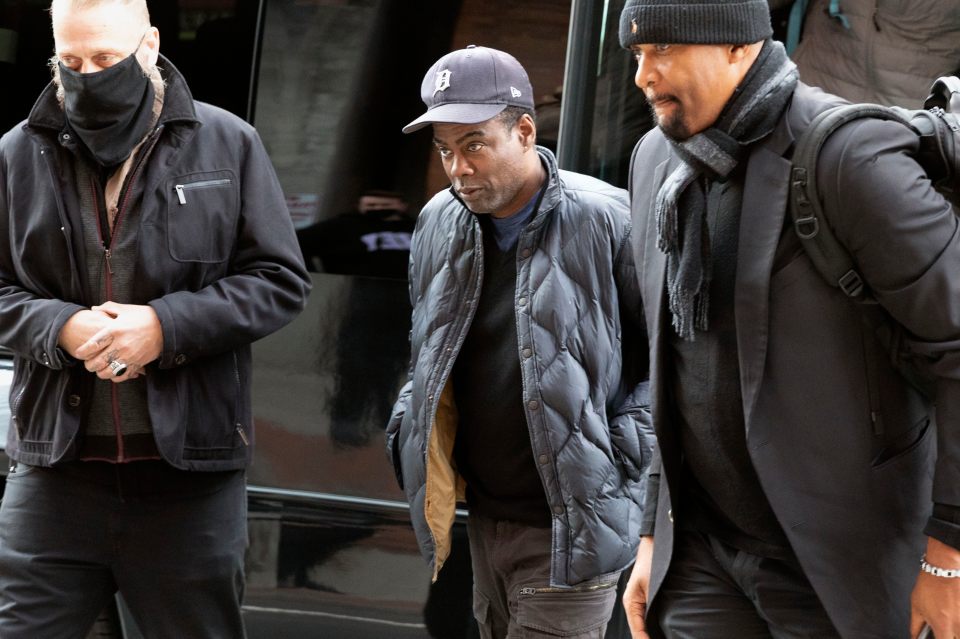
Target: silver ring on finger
118,367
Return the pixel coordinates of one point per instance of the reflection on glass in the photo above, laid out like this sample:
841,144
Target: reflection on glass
621,115
373,240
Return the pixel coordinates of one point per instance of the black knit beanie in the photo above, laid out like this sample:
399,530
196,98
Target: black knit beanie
694,22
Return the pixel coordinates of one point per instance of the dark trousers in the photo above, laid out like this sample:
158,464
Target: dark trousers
171,541
714,591
512,596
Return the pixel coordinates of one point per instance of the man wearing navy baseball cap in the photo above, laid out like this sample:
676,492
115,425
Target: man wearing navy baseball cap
527,395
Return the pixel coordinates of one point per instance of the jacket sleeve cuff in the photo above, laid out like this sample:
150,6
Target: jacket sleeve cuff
651,494
169,357
53,356
944,525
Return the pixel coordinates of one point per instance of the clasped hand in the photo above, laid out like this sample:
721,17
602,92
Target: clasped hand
126,333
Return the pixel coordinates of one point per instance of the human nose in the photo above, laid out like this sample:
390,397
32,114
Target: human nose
646,72
89,66
459,166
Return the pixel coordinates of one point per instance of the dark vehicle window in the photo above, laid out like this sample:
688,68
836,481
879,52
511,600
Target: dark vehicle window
212,43
26,42
605,114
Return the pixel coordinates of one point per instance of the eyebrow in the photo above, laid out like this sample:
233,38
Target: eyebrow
478,133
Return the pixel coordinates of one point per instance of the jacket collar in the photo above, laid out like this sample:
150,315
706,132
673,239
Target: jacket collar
554,191
47,113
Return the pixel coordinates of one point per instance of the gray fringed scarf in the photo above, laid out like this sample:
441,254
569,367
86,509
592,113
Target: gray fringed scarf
750,115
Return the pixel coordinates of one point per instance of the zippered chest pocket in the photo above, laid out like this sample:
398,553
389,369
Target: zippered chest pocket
203,210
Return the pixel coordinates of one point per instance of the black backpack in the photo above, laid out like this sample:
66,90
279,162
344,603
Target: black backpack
937,124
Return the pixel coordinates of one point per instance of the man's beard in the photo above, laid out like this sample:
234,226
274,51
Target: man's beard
672,125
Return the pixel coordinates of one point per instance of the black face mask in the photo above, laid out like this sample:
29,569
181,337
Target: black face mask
109,110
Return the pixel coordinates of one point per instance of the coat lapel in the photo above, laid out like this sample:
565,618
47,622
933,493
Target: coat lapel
766,189
654,267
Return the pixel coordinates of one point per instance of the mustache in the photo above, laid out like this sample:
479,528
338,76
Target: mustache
653,98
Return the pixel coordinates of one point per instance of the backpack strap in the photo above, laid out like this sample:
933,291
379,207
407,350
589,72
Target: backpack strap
829,257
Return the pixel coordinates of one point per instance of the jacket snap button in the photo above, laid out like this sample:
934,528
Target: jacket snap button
525,253
670,515
527,352
543,459
73,400
558,510
180,359
522,301
533,404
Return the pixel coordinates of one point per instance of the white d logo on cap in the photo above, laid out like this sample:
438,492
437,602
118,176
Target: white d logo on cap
443,81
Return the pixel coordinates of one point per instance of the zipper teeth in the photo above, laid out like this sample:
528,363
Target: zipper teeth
16,407
199,185
547,590
236,376
115,399
133,176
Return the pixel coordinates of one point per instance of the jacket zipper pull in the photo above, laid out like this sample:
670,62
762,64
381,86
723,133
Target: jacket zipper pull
243,435
108,254
180,196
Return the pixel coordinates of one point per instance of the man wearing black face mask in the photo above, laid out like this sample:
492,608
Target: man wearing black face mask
144,244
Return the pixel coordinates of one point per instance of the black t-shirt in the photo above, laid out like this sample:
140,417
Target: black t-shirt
359,244
492,448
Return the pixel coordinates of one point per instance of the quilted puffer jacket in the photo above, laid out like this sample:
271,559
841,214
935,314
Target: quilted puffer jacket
583,359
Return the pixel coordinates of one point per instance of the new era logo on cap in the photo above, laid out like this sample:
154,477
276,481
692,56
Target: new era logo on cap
472,85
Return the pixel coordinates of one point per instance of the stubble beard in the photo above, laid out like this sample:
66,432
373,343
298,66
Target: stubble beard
494,201
673,125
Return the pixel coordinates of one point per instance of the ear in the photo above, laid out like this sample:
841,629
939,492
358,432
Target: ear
151,42
527,130
744,54
737,52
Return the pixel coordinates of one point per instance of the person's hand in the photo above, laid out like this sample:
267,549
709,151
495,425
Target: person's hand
133,336
936,600
79,328
635,594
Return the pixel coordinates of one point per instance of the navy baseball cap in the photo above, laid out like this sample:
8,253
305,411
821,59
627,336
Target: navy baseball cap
472,85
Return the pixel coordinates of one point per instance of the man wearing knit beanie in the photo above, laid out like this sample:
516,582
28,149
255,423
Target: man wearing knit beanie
801,487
